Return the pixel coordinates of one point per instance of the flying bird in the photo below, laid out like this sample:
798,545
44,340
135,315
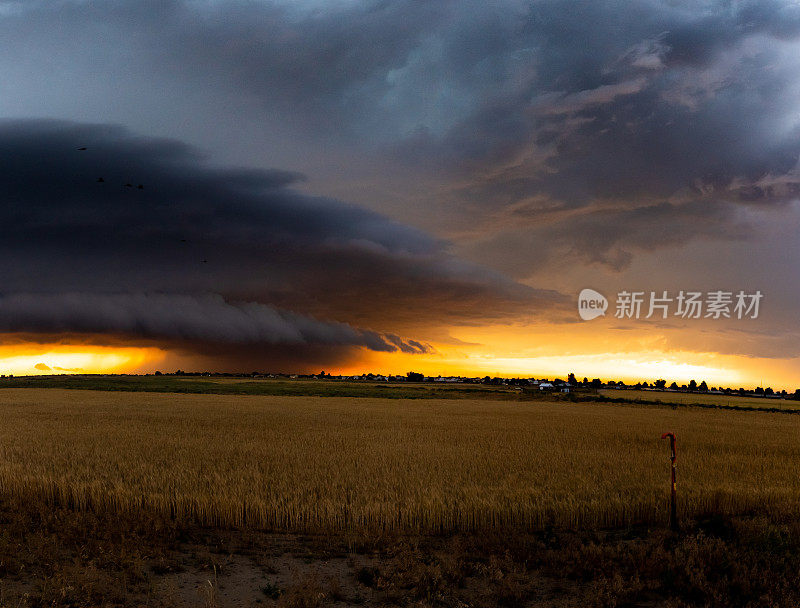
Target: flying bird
81,149
140,187
204,261
129,185
100,180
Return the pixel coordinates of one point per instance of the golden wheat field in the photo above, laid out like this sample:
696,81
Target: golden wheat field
330,464
704,398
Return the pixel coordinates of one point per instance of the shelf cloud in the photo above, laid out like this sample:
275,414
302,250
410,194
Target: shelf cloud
114,234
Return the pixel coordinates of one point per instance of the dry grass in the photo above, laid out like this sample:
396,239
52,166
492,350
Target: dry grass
61,558
328,464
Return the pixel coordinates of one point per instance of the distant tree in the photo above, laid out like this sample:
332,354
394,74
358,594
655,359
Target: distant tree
769,391
703,386
571,379
661,384
692,385
674,386
759,391
321,374
597,383
585,381
415,377
158,373
742,392
796,394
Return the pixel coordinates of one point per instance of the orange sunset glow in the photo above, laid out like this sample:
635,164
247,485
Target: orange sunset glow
489,351
44,359
631,363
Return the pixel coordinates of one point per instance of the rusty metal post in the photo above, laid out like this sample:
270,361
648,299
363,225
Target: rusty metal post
673,507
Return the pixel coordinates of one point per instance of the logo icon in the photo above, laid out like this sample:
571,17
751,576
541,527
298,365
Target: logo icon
591,304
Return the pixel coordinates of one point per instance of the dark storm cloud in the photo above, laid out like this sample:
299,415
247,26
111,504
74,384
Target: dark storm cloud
631,110
612,237
324,65
550,132
207,318
541,107
139,237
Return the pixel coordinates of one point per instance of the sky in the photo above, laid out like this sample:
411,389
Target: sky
387,186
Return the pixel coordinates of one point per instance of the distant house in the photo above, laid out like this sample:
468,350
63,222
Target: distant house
546,386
